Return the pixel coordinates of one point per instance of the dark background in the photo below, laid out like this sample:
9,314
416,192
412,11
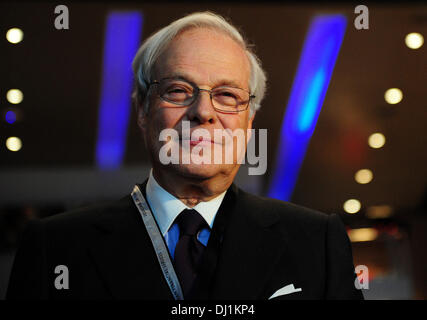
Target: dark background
59,72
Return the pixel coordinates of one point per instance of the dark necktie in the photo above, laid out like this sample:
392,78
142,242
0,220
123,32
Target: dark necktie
188,250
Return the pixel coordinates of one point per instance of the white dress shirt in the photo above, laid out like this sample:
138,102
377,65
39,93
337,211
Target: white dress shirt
166,208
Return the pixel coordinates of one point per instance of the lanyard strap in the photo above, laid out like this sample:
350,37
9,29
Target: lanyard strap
158,244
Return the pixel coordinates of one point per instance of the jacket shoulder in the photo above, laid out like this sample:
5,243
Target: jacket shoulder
285,211
90,214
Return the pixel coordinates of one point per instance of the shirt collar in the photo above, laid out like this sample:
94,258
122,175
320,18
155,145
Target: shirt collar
166,207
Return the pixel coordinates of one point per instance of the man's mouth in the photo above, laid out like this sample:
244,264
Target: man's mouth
201,141
198,141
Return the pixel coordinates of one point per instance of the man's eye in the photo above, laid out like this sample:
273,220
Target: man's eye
177,93
178,90
174,90
226,94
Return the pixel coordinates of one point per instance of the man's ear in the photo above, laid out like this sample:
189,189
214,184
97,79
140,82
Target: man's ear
251,120
141,118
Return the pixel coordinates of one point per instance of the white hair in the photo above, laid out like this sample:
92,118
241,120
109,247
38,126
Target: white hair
153,47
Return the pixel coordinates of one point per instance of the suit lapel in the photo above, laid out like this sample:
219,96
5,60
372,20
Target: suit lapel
243,251
124,256
251,249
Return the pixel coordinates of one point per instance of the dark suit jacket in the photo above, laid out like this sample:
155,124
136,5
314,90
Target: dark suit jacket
257,246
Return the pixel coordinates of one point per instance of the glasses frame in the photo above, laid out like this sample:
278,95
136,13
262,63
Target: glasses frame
197,91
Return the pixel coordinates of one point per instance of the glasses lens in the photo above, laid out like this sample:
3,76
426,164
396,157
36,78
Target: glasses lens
230,99
176,91
180,92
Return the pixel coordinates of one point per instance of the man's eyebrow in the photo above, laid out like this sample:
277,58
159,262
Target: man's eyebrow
228,82
220,82
175,76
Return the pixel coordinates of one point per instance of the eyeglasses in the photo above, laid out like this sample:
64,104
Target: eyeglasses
183,93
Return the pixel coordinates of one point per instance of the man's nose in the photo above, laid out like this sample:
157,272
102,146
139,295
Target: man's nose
202,110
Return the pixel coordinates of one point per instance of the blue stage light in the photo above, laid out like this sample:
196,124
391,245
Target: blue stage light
122,38
10,117
308,92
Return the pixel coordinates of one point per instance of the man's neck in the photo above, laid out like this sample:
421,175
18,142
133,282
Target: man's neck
189,190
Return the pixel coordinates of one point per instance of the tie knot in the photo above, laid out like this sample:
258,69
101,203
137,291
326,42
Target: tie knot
190,222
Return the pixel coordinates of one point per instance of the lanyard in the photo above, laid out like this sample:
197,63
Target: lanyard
158,244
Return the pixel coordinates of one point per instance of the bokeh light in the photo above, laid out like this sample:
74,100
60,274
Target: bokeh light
352,206
376,140
414,40
363,176
14,96
362,234
14,35
379,212
393,96
10,117
13,143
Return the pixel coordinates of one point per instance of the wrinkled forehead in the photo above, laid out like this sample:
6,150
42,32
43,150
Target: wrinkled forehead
207,53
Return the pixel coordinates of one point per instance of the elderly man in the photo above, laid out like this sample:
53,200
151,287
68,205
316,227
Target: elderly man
188,232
